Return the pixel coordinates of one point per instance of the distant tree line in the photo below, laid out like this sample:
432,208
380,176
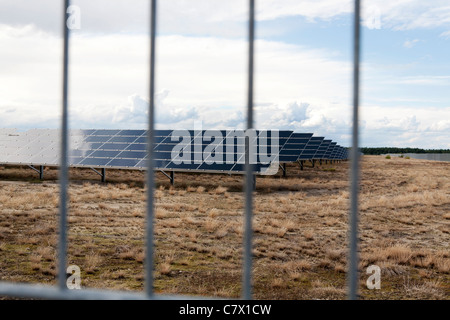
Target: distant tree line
385,150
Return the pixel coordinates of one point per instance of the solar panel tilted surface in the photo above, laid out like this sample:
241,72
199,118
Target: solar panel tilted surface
174,150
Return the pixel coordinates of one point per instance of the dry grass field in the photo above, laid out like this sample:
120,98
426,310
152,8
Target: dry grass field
300,230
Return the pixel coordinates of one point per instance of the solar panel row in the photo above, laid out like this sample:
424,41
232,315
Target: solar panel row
173,150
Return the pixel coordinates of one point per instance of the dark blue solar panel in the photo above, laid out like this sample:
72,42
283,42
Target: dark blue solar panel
241,167
294,141
127,148
163,133
311,148
111,146
316,139
144,139
104,154
302,135
284,134
132,154
133,132
335,152
164,155
124,162
94,162
165,147
136,147
216,167
105,132
288,158
97,139
125,139
330,150
227,157
339,154
320,153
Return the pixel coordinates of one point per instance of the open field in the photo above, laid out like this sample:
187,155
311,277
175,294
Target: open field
300,230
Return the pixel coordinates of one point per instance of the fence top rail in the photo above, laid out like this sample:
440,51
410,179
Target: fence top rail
23,290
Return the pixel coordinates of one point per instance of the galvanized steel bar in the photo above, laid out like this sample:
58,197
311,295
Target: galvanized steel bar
247,272
354,172
149,261
53,293
63,170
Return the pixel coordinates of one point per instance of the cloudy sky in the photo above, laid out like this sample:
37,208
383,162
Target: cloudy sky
303,67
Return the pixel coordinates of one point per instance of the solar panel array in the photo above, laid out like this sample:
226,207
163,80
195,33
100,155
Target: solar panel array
180,150
310,150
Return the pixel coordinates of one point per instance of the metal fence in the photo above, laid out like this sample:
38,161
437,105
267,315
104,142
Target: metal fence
62,292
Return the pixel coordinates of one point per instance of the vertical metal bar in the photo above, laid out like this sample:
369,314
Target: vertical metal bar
247,272
41,172
354,172
63,169
149,263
